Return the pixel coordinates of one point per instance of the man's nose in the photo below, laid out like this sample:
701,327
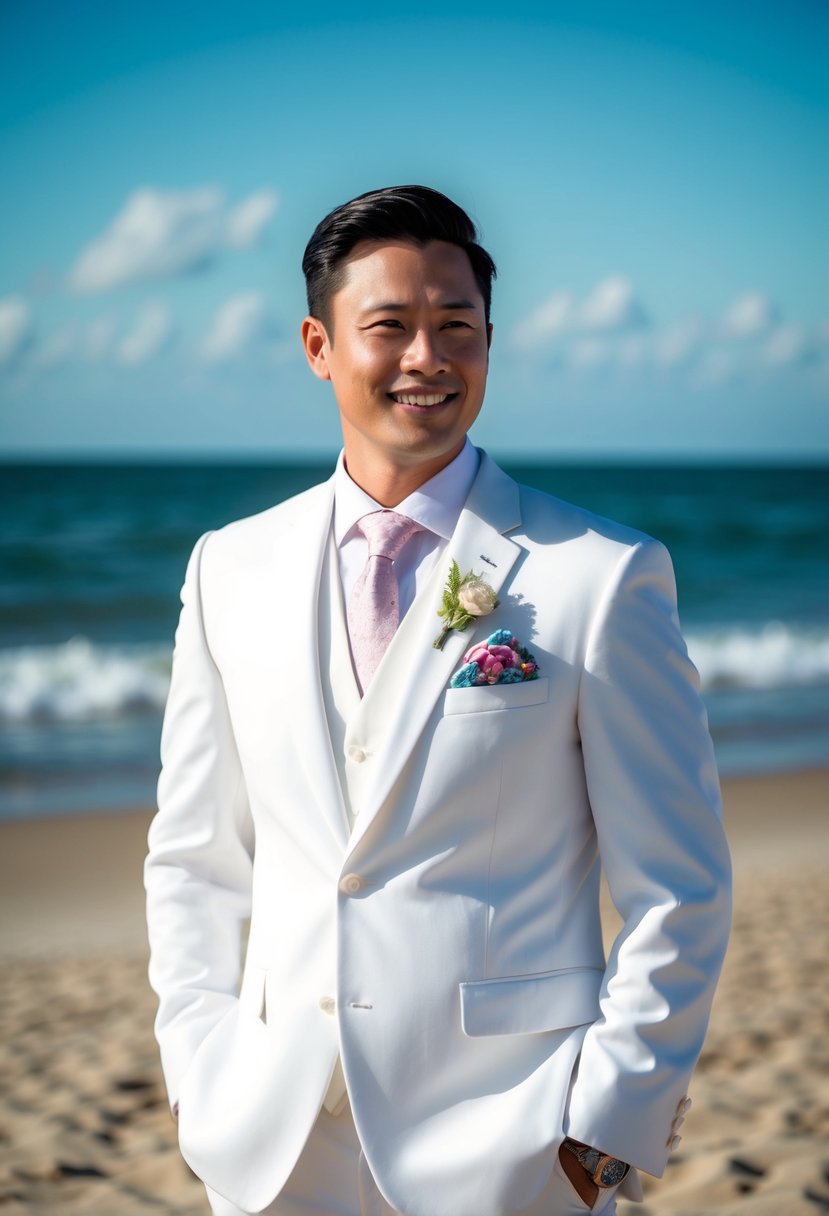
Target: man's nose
424,354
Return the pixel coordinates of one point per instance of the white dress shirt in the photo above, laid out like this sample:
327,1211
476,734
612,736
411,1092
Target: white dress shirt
436,505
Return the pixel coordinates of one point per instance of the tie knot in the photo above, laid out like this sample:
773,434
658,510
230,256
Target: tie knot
386,532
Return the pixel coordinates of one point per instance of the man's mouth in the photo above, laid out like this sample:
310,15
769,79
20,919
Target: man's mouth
423,400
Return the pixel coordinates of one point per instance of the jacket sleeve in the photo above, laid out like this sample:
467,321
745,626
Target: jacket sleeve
199,869
653,790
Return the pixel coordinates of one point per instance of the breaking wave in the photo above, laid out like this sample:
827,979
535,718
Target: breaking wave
79,680
765,656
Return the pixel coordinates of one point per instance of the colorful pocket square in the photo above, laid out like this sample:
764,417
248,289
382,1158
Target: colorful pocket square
501,659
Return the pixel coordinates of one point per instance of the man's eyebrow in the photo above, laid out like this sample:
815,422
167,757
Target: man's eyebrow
394,306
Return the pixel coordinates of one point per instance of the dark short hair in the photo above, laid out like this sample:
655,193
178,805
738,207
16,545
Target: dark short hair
396,213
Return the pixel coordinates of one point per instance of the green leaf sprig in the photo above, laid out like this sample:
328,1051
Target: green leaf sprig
464,600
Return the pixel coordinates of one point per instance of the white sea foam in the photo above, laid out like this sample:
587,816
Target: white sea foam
78,680
770,655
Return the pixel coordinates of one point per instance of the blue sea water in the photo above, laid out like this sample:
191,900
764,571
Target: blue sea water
92,558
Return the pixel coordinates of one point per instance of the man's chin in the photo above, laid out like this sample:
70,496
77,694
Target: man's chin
430,450
428,436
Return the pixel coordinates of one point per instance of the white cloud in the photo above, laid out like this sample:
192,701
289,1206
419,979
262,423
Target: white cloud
97,338
246,222
90,342
633,350
612,306
154,235
611,328
716,367
546,323
588,353
240,323
748,316
157,235
152,331
788,345
16,327
679,343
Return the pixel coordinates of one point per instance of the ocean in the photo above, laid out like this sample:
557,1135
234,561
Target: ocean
93,555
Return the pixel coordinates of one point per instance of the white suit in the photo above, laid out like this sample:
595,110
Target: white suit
449,946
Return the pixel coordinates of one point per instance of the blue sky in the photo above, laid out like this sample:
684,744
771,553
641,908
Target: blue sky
653,184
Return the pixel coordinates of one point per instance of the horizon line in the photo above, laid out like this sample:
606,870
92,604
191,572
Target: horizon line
244,457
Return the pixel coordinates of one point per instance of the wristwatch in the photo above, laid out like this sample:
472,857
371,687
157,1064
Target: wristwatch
604,1170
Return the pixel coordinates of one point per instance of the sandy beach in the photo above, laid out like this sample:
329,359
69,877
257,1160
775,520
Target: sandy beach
84,1124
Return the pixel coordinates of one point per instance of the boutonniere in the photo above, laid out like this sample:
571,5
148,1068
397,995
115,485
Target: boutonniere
464,600
501,659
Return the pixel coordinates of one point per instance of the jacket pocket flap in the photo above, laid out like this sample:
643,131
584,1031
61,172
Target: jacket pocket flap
485,697
530,1004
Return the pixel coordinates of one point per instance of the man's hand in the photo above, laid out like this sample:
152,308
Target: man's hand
584,1185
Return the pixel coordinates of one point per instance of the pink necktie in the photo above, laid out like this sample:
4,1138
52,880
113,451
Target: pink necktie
374,606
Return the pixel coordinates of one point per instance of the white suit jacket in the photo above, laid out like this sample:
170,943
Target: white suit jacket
449,947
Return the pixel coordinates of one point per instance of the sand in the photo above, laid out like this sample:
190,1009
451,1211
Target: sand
84,1124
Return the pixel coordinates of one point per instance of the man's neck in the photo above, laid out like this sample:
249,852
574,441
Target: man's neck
389,483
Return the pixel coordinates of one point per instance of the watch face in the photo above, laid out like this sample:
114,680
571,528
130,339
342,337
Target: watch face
613,1171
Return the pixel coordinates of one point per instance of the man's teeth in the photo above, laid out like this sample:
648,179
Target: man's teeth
420,398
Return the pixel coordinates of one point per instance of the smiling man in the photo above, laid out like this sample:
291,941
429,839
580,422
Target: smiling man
406,346
413,712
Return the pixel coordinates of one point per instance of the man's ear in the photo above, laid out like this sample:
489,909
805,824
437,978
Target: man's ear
489,335
316,346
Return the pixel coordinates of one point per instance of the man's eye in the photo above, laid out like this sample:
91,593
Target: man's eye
387,323
457,325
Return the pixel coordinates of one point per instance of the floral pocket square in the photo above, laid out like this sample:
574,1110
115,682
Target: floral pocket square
501,659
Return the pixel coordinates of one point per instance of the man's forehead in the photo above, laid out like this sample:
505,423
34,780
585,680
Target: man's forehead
406,264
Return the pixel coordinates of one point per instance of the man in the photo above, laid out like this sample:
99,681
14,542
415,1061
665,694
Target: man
406,772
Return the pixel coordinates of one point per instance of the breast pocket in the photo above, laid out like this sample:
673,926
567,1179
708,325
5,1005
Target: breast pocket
491,698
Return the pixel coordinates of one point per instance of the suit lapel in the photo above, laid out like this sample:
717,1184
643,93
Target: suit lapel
343,682
341,696
298,557
413,674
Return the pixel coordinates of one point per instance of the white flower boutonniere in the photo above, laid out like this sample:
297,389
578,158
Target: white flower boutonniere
464,600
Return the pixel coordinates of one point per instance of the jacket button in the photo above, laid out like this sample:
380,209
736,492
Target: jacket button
352,884
356,754
327,1004
674,1143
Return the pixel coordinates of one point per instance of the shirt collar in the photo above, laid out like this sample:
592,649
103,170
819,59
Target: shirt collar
436,505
